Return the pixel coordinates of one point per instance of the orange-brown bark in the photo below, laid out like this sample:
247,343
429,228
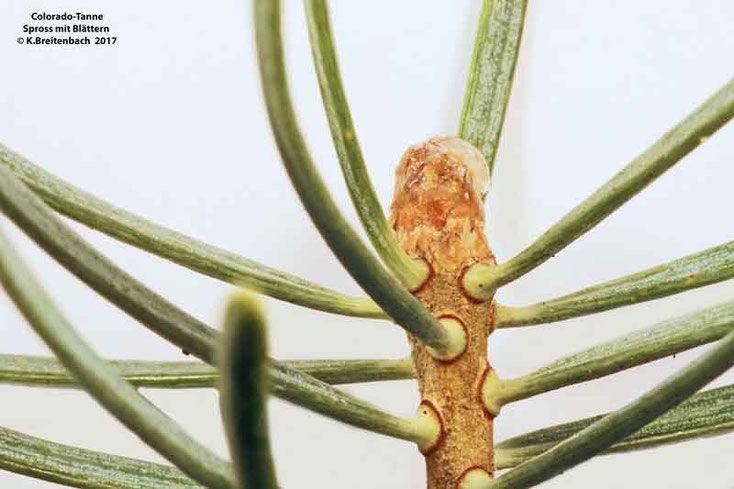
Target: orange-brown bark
437,215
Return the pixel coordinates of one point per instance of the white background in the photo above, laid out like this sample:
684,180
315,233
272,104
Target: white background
169,123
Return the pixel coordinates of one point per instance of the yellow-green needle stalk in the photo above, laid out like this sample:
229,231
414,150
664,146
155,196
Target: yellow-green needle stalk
304,390
668,150
48,372
490,75
637,348
244,393
411,272
116,395
179,248
356,258
76,467
616,426
707,267
705,414
355,371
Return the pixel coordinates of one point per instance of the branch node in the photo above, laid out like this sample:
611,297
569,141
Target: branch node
458,339
476,282
425,272
489,386
428,427
474,478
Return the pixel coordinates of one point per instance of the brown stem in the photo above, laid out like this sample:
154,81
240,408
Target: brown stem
437,215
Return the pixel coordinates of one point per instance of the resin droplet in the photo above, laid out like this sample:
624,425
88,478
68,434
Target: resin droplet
469,156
